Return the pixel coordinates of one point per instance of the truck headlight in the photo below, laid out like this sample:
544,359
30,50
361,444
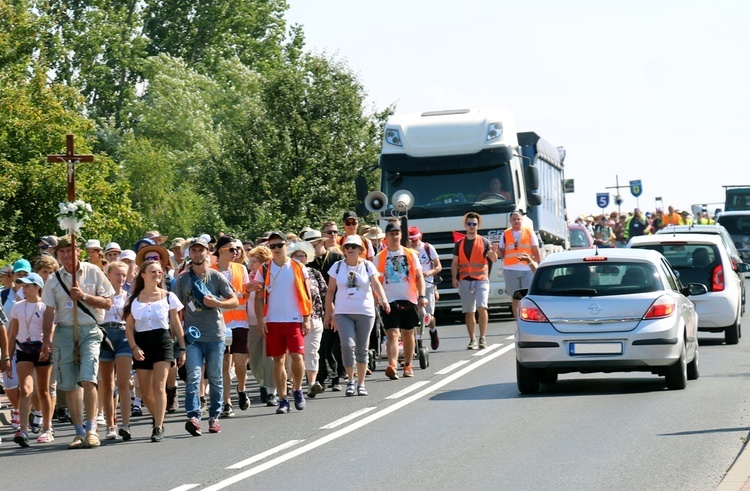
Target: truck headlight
494,130
393,137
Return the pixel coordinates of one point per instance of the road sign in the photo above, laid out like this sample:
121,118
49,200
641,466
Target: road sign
602,200
635,188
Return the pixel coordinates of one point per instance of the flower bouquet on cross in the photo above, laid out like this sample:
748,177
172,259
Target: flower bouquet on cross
72,215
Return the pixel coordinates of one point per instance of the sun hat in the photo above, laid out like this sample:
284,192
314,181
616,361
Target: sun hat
303,246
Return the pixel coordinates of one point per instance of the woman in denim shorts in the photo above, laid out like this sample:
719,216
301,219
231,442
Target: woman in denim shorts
116,363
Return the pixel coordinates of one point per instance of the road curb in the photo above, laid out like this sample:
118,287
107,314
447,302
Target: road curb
738,477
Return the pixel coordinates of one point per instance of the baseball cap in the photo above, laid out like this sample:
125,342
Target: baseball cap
177,242
22,265
414,233
277,234
127,254
200,241
391,227
31,279
49,240
349,215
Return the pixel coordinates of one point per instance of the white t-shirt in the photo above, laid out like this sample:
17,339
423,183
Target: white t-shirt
280,293
154,315
29,316
114,314
426,260
396,284
353,289
252,319
517,237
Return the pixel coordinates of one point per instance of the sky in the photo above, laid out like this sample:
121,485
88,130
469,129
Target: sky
649,90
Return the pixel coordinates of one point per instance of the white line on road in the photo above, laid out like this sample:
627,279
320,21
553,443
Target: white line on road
450,368
511,337
489,348
408,390
346,419
185,487
263,455
356,425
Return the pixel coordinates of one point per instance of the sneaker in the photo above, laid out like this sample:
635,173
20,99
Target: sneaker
390,372
273,400
136,411
124,432
100,420
299,400
76,443
157,434
15,420
434,340
408,371
111,433
482,343
214,426
193,426
244,401
473,344
335,386
283,407
361,390
226,412
35,423
264,394
315,389
46,437
350,388
91,440
172,403
62,415
21,438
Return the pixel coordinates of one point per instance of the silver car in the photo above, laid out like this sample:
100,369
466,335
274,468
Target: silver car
606,310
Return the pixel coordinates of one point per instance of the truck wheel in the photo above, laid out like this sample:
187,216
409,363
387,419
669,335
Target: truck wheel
527,379
676,374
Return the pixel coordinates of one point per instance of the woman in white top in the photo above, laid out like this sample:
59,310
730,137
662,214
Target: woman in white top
350,281
150,324
26,335
116,363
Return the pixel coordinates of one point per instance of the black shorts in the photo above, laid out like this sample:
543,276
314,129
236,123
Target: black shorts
403,316
156,346
239,341
33,358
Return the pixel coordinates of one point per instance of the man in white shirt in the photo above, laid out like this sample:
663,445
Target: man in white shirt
431,268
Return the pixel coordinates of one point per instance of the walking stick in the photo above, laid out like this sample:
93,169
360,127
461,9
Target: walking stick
74,283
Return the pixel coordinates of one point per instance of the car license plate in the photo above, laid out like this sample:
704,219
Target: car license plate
595,349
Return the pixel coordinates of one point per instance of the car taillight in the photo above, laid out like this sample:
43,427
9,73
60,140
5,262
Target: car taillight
717,279
529,312
663,307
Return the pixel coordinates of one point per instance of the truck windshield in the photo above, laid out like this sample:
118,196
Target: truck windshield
441,191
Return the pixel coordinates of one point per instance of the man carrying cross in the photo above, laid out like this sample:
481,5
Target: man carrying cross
91,297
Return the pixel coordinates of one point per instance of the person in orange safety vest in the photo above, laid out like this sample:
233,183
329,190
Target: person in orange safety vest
518,246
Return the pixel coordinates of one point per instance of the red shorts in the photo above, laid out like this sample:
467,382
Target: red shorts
283,336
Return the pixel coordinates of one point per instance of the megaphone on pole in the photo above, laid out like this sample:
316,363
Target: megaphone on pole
402,200
376,201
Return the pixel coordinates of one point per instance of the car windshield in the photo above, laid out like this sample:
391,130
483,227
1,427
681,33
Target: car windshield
695,263
600,279
578,238
736,224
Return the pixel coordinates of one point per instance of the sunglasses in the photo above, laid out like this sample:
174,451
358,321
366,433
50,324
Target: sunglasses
331,232
277,246
351,246
233,250
350,222
153,258
44,247
472,224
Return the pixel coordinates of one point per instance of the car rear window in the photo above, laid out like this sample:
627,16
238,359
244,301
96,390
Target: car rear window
694,262
611,278
736,224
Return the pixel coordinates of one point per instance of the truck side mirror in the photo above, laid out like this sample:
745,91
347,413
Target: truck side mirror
360,184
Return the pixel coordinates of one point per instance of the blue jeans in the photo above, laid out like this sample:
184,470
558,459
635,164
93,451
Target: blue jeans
212,354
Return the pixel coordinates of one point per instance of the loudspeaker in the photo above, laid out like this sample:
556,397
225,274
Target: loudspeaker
402,200
376,201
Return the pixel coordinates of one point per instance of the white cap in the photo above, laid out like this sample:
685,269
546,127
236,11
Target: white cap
127,254
93,244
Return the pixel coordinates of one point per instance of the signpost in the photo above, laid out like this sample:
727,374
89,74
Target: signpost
636,190
602,200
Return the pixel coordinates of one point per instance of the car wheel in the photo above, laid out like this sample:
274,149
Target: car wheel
527,379
676,374
732,333
547,377
694,367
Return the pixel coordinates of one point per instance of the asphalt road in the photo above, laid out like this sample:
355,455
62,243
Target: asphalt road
459,424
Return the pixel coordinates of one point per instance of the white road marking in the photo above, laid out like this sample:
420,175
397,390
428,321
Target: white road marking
185,487
346,419
486,350
263,455
450,368
356,425
511,337
411,388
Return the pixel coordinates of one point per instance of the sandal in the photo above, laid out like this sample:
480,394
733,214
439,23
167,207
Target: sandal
46,437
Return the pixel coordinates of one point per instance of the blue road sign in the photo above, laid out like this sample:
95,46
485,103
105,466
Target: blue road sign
635,188
602,200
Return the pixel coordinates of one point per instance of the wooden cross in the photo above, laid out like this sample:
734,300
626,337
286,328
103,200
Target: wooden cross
71,159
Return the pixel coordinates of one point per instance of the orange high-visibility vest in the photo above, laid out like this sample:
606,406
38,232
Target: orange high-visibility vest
304,303
510,257
238,273
474,266
409,261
